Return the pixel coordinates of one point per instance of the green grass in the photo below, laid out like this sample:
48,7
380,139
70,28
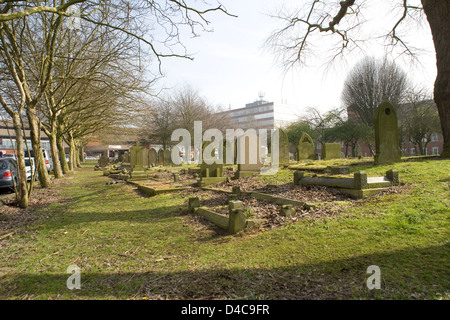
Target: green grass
130,247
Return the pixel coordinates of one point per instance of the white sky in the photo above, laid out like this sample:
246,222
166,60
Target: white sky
231,67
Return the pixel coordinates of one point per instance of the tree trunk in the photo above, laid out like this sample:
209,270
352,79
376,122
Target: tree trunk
438,13
62,154
420,145
77,155
54,150
35,136
71,153
82,152
22,187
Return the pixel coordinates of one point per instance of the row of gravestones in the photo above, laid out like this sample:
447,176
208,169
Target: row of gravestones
141,157
305,149
246,155
386,139
250,162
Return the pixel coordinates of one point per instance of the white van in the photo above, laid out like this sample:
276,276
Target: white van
47,159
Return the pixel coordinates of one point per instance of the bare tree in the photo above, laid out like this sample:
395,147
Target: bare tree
157,122
370,83
180,109
343,21
155,24
419,119
321,123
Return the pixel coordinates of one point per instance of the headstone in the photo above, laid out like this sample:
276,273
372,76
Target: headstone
126,158
292,151
103,161
135,158
210,170
143,154
331,151
161,157
305,148
178,150
231,148
167,155
248,154
152,157
283,147
386,135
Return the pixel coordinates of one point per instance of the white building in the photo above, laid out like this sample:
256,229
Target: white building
263,115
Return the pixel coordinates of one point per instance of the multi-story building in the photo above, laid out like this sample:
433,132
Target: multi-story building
8,138
262,115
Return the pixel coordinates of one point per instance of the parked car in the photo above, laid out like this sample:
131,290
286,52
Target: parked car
47,158
10,156
29,163
8,173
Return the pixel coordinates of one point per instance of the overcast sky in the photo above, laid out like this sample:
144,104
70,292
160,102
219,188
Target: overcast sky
231,64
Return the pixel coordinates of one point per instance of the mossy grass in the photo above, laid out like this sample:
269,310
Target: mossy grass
130,247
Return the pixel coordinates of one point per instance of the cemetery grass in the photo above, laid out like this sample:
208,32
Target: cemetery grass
129,246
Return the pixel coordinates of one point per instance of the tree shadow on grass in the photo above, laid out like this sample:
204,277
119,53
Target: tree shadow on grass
407,274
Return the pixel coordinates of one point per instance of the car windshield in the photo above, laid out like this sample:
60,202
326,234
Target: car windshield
3,165
27,163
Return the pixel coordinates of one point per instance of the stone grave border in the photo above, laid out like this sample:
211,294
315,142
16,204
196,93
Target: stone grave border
266,197
360,186
236,221
155,191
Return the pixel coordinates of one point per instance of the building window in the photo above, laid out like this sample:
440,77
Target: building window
413,151
434,137
435,151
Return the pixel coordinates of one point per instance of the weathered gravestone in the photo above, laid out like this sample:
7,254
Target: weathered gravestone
143,155
136,157
209,166
229,151
248,150
103,161
177,151
283,147
137,170
152,157
292,151
386,134
161,157
331,151
305,148
167,156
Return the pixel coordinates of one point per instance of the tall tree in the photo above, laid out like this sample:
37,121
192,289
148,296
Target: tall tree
419,119
155,24
370,83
